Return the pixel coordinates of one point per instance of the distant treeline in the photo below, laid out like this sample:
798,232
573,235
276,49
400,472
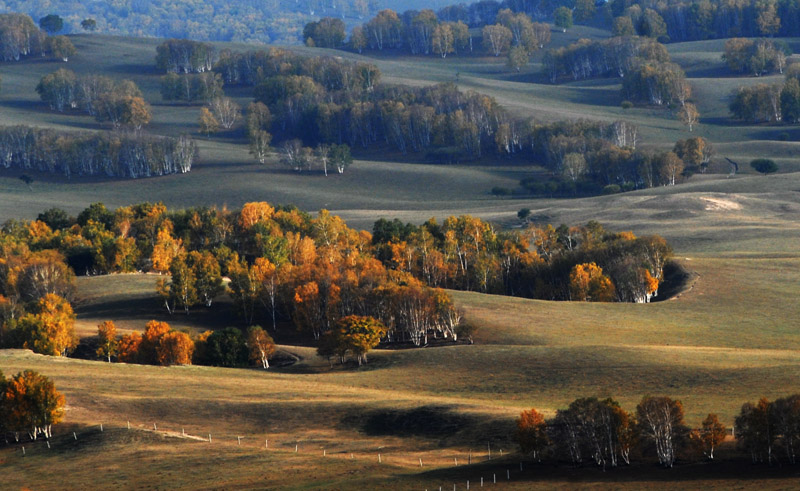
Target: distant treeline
263,21
114,154
20,37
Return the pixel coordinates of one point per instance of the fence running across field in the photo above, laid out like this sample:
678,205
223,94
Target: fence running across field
504,471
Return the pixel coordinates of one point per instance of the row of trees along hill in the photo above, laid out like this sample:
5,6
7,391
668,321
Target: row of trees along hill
769,102
423,33
284,264
29,403
20,38
118,102
114,154
600,432
159,344
330,101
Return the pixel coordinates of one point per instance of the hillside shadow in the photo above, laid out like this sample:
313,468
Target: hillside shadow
441,424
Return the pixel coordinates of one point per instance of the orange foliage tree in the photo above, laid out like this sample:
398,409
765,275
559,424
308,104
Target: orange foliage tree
261,345
128,348
174,348
31,403
531,432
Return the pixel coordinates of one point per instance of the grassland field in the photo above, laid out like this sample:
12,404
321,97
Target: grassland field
732,337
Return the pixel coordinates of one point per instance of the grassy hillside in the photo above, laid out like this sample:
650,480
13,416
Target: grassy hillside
731,337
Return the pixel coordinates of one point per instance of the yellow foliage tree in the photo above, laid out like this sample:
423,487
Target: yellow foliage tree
51,329
587,283
107,340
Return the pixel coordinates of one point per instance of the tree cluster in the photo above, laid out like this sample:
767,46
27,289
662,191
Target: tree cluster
161,345
767,102
191,87
117,154
600,432
29,403
185,56
755,56
564,263
769,431
20,37
614,57
686,20
327,32
584,157
118,102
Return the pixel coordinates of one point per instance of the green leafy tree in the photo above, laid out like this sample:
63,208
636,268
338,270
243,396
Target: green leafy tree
764,166
89,25
562,18
227,348
51,24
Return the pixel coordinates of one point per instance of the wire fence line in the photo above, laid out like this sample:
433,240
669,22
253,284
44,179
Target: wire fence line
503,470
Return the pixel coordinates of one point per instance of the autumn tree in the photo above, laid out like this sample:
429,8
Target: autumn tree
107,340
32,404
60,47
260,145
359,334
50,329
174,348
661,421
128,348
148,346
531,432
588,283
518,57
442,40
207,122
261,345
710,435
688,115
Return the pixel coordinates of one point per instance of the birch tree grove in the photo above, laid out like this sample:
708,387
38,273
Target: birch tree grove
661,421
121,154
